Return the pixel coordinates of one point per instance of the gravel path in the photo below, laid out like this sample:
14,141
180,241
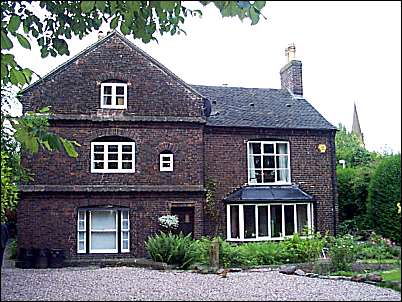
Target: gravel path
127,283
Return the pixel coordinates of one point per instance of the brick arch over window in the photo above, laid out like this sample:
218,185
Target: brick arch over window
105,76
110,132
165,146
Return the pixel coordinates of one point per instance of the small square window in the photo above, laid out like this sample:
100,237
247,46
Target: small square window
166,162
108,157
112,165
114,95
127,165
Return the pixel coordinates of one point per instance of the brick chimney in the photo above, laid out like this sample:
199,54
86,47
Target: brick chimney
291,73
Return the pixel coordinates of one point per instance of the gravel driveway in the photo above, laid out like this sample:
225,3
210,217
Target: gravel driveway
127,283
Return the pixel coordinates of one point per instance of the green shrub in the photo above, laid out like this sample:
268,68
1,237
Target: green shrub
172,249
342,252
13,249
384,194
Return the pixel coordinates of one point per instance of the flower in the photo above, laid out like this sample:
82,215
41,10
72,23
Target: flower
169,221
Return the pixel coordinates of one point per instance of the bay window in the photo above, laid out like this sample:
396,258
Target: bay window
268,162
274,221
99,231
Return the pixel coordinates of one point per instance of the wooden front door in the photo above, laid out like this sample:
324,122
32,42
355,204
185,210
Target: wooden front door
186,220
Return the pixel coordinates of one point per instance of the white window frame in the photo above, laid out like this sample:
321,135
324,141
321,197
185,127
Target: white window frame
84,231
113,104
275,155
115,230
310,221
106,157
169,161
122,230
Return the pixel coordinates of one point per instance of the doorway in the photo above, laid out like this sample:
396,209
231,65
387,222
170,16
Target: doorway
186,220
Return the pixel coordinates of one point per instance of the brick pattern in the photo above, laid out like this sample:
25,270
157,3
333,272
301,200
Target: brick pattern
291,77
312,171
50,220
75,89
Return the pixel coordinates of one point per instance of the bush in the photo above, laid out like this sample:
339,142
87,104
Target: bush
13,249
384,194
353,186
342,252
172,249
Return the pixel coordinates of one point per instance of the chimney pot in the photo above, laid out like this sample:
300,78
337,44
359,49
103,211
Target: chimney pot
291,73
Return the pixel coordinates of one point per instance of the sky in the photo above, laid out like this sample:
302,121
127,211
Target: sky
351,53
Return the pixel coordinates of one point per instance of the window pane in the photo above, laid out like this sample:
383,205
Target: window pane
107,90
103,240
99,165
127,165
81,246
98,148
268,162
120,90
255,148
119,100
125,235
81,236
276,221
127,156
113,148
166,158
282,161
103,220
301,210
289,220
98,156
166,165
112,156
263,221
112,165
127,148
81,225
107,100
125,214
269,148
283,175
125,245
249,222
269,176
125,224
281,148
81,215
234,222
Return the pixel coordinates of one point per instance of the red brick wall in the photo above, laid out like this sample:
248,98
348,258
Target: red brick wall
50,220
312,171
75,89
184,140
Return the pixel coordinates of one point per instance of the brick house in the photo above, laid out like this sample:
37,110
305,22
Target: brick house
151,144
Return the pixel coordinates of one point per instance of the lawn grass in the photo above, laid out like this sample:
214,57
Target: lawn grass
343,273
394,275
380,261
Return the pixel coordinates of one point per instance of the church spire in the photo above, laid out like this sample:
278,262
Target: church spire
356,126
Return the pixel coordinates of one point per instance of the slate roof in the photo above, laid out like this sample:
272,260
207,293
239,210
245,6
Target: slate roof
258,107
268,194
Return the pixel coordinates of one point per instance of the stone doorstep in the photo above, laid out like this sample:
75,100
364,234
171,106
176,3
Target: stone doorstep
134,262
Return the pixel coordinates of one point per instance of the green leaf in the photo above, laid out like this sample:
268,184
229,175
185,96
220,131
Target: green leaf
259,4
133,6
4,71
114,22
69,148
243,4
44,109
28,74
54,142
8,59
254,16
87,6
23,41
14,23
100,5
167,5
125,30
5,41
17,77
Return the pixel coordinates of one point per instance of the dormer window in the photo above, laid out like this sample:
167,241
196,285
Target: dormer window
114,95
